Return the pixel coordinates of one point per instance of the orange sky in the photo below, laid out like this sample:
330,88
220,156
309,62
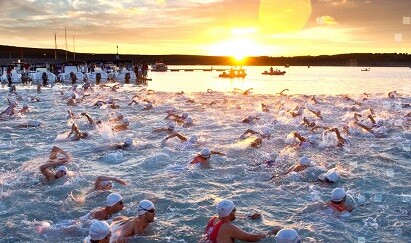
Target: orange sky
210,27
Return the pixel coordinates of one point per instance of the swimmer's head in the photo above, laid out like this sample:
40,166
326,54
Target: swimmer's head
99,230
113,199
331,176
193,139
128,142
125,120
287,236
34,123
184,115
225,207
205,153
338,195
106,185
61,171
305,161
146,211
380,123
189,120
171,127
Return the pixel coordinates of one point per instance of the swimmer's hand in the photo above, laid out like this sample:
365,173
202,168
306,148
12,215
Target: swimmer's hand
254,216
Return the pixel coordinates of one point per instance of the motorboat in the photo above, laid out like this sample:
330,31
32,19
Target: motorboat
365,69
240,73
274,72
159,67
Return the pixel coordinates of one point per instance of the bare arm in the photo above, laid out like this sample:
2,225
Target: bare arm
46,171
236,233
99,179
219,153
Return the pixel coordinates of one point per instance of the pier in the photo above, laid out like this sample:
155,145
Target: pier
196,69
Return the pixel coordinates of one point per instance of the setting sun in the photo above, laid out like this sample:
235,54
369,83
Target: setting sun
237,48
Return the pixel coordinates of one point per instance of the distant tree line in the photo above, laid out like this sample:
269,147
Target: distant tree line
31,55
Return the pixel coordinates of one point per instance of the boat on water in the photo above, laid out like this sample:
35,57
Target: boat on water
365,69
159,67
274,72
240,73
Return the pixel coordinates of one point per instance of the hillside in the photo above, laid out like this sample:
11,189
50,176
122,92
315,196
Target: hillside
30,55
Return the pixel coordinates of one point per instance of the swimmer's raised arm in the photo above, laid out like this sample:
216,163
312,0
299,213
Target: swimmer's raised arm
99,179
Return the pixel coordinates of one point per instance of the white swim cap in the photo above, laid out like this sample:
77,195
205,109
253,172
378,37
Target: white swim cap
171,126
189,120
225,207
266,131
305,161
99,230
380,122
113,198
330,175
338,194
193,139
144,206
184,115
128,142
25,106
125,120
34,123
62,168
205,152
287,236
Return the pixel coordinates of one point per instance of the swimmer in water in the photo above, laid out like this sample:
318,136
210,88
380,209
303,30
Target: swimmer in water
57,158
131,226
169,130
221,229
203,158
99,232
77,134
105,183
114,204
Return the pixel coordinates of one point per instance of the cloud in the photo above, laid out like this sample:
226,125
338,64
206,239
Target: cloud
326,20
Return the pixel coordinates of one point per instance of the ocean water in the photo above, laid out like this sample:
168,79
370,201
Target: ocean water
373,169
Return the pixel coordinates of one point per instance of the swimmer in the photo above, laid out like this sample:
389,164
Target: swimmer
330,176
264,108
122,126
125,145
303,164
340,140
114,204
338,199
338,203
317,113
58,157
221,229
169,130
131,226
203,158
282,92
77,134
287,236
247,91
24,109
256,141
89,119
104,183
33,123
250,119
99,232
